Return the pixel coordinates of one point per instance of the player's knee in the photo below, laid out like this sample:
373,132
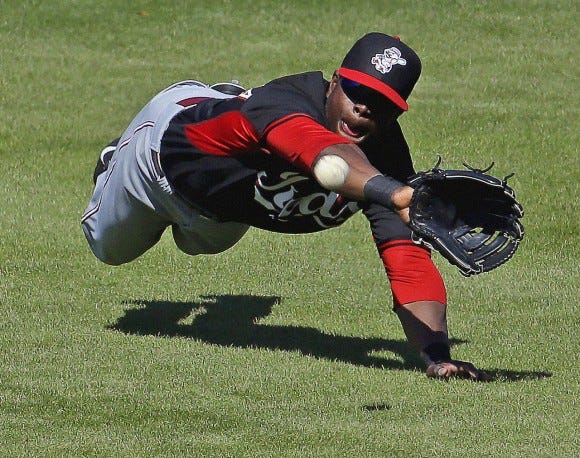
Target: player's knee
104,250
209,242
108,256
194,247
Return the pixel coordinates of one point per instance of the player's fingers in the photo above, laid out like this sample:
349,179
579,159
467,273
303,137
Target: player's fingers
404,215
441,370
461,369
432,371
468,370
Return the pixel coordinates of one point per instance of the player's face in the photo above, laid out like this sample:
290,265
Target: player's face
357,112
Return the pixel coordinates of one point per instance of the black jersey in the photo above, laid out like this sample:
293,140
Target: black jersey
219,156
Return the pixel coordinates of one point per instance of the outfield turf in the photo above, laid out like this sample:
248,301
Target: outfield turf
284,346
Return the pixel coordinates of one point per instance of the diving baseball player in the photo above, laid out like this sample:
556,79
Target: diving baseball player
299,154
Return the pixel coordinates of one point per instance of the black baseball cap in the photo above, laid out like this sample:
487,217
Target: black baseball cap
385,64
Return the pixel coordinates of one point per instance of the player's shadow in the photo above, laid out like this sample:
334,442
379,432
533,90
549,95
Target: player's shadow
233,320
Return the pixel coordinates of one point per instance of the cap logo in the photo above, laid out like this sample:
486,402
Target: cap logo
384,62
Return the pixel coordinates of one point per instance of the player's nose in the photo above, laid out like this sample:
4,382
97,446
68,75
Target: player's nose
362,110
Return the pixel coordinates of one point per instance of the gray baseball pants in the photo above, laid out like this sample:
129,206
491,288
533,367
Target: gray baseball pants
133,203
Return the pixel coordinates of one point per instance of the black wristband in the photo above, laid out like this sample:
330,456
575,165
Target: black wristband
438,352
379,189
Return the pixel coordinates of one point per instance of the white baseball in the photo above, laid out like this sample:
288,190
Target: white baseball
331,171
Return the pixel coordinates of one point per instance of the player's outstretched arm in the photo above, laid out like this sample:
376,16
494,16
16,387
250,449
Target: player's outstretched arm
425,325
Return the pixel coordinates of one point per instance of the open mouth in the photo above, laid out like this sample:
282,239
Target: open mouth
351,131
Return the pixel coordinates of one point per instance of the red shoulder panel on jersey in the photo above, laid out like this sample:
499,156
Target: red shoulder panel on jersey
228,134
299,139
412,274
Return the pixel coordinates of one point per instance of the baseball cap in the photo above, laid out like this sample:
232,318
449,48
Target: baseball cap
385,64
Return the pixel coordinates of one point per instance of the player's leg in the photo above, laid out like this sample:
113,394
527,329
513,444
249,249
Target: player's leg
121,221
205,236
133,203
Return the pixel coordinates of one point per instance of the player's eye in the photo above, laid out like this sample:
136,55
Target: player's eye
356,92
363,95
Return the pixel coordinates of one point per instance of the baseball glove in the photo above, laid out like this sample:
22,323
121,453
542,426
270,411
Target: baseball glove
469,217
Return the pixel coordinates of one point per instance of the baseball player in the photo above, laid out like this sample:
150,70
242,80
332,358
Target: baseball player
299,154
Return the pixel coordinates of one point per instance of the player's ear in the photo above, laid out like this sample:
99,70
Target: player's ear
333,83
335,77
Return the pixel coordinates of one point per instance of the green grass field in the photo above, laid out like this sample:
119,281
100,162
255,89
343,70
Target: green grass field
284,346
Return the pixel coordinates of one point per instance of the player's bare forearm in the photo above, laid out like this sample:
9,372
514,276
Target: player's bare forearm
425,325
345,169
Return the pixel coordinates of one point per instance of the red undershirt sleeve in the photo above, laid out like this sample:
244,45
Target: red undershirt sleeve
299,139
411,272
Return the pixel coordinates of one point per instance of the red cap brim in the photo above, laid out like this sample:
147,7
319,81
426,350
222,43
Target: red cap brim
377,85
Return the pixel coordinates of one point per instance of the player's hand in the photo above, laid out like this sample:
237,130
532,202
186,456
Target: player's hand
454,368
404,215
401,201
